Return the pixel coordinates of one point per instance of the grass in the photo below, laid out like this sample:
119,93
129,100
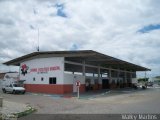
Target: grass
18,115
24,113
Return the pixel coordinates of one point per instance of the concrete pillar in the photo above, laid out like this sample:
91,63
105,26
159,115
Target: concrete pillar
125,78
99,75
84,70
145,75
118,72
131,79
110,76
84,73
131,76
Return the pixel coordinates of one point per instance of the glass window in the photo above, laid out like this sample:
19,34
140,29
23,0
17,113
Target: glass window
34,79
16,85
52,80
42,78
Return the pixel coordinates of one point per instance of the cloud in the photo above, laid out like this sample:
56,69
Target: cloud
106,26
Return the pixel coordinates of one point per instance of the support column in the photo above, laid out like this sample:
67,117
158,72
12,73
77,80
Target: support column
84,69
118,78
145,75
110,78
131,78
100,87
98,73
83,88
125,79
145,78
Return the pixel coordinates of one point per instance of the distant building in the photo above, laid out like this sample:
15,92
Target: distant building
9,75
58,71
156,80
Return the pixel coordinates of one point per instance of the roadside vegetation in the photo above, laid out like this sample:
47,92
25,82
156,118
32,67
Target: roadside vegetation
28,111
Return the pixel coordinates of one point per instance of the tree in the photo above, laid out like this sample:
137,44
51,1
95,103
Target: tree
143,79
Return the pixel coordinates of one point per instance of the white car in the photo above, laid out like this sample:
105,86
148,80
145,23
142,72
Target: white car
13,88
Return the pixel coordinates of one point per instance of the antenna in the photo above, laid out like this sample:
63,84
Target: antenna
38,41
35,12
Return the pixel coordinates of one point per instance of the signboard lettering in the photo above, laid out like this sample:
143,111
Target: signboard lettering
44,69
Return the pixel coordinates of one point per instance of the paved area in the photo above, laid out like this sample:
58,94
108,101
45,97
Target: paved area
12,107
107,102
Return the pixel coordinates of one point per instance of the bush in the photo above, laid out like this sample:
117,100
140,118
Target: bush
143,79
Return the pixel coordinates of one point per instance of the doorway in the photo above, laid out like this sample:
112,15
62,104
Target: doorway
105,83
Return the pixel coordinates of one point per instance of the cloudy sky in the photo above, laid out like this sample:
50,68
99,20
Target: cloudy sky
126,29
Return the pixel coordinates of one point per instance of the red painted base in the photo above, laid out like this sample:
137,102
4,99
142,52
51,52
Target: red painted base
51,88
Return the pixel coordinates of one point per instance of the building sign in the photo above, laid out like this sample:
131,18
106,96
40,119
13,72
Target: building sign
78,83
44,69
24,69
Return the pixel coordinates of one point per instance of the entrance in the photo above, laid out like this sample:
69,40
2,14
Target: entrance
105,83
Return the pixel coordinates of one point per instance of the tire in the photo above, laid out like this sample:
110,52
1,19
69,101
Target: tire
4,91
14,92
23,92
143,87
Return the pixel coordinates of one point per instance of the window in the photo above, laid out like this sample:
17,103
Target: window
52,80
34,79
42,78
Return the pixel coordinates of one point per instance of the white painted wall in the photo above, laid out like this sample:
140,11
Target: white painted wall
72,78
68,78
43,63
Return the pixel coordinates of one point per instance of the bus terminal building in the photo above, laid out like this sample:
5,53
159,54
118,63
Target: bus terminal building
56,72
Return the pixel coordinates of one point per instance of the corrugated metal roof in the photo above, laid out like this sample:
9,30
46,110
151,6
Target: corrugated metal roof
89,56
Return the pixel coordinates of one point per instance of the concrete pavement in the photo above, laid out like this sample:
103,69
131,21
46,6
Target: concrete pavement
124,101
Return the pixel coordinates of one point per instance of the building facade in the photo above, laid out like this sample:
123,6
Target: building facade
57,72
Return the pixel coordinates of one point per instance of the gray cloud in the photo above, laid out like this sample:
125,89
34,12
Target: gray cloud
106,26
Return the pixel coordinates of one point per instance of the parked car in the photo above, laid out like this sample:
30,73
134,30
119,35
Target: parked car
150,84
13,88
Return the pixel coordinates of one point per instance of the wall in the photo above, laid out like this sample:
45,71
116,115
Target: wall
43,67
71,79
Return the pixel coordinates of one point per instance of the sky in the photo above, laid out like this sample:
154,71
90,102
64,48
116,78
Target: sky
126,29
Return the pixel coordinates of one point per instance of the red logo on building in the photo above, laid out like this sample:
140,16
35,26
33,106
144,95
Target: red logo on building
24,69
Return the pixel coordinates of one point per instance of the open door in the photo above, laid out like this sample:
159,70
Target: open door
105,83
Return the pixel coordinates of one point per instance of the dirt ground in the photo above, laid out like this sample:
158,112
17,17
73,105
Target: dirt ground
112,102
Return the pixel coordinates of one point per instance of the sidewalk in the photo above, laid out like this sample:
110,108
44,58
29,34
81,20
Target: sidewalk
91,94
106,93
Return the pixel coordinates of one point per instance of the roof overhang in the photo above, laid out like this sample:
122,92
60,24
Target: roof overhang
89,56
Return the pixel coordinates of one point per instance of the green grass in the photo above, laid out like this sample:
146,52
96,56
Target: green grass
24,113
18,115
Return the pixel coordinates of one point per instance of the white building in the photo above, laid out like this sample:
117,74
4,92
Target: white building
57,71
